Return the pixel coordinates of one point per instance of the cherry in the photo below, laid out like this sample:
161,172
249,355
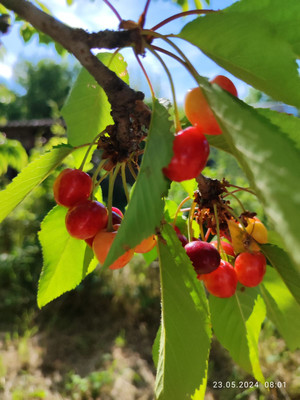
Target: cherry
183,239
146,245
89,241
116,221
204,256
101,245
257,230
86,218
72,186
180,236
227,247
198,110
225,83
222,282
116,218
191,151
117,211
250,268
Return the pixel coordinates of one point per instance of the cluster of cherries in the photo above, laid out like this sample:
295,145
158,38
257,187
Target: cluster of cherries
213,262
88,219
190,146
220,276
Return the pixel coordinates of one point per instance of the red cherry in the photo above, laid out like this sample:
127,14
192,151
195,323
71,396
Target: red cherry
72,186
225,83
101,245
180,236
204,256
227,247
89,241
85,219
222,282
183,239
117,211
250,268
116,218
191,151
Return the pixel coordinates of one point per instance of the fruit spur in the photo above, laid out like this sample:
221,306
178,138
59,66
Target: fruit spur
227,252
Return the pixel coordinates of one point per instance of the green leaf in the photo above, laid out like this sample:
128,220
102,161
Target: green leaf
288,124
198,4
12,153
237,323
43,7
269,159
282,308
63,255
30,177
145,209
87,110
150,256
189,186
281,261
185,331
155,347
257,41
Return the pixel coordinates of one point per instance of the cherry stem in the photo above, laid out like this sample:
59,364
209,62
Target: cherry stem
200,222
113,56
112,178
123,172
218,226
142,18
235,216
96,173
113,9
146,75
190,222
185,62
168,53
132,170
244,189
178,209
176,112
208,232
88,150
182,14
100,180
238,200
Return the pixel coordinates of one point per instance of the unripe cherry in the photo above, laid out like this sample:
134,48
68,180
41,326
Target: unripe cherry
257,230
101,246
146,245
198,110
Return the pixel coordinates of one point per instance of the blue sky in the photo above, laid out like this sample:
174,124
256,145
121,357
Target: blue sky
94,16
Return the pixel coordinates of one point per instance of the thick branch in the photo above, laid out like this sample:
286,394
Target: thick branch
78,42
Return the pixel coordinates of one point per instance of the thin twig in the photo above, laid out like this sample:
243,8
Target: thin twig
182,14
108,3
176,112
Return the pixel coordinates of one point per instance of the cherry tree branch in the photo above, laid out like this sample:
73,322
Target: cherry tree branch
78,42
